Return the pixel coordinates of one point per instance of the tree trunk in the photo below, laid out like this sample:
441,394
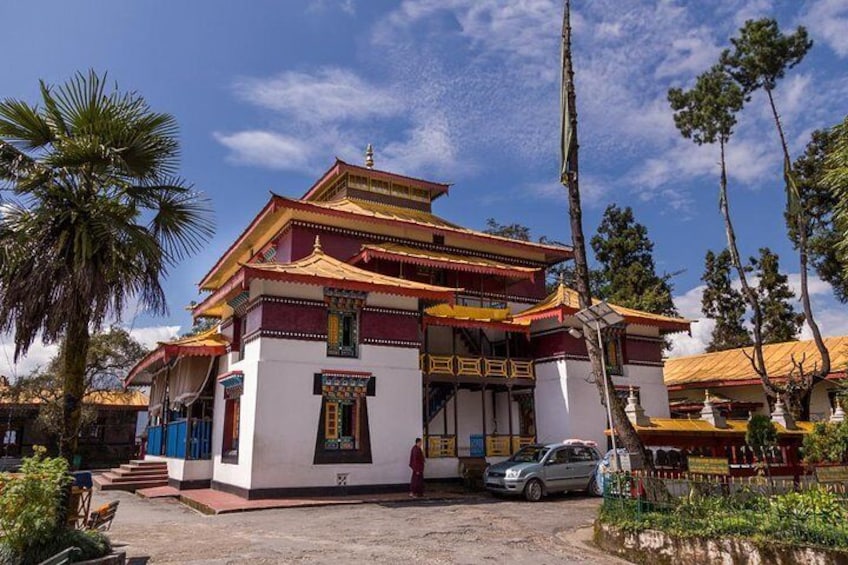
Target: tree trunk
625,431
74,357
821,372
750,295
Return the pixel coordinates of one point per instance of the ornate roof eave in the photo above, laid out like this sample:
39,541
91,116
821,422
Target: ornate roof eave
201,345
560,253
369,253
472,324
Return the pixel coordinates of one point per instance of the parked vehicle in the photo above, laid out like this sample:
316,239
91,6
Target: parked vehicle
538,470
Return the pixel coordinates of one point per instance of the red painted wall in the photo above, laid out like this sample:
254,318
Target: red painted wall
639,350
293,317
381,325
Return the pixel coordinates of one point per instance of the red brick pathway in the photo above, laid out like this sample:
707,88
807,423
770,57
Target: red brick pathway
211,501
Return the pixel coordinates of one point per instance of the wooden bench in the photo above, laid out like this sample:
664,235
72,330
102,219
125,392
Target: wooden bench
101,519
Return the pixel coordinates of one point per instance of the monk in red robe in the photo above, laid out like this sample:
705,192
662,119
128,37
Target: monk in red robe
416,463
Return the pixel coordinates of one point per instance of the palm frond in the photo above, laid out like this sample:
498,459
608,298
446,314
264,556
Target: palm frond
23,125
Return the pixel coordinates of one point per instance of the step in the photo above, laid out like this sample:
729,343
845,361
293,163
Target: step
135,466
104,483
144,471
130,478
145,462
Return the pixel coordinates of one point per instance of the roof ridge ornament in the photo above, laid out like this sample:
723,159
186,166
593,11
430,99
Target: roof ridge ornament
316,248
369,157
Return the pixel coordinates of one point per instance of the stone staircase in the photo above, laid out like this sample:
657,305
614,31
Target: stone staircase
133,476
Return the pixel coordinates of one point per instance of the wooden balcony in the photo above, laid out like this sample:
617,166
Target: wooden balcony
477,367
440,446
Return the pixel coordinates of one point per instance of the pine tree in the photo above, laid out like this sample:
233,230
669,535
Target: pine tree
627,274
819,203
780,320
724,304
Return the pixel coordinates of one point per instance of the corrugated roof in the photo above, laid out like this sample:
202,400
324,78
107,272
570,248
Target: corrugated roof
564,301
427,257
733,364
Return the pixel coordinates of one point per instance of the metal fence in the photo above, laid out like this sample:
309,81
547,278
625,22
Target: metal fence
805,512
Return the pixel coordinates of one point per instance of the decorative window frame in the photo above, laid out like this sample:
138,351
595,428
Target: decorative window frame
337,390
343,306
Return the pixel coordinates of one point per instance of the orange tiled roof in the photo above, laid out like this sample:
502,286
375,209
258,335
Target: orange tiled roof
564,301
427,257
733,366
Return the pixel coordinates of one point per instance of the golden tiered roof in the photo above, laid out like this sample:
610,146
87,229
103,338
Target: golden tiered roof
564,302
431,258
372,217
323,270
733,367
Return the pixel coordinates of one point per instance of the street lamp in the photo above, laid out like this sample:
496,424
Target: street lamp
601,316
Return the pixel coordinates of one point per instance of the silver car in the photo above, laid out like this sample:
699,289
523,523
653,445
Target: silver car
537,470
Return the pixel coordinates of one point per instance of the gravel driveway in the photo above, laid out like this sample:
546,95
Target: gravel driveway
474,530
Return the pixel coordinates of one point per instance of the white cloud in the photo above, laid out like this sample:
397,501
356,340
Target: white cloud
828,19
683,344
829,315
327,95
268,149
39,354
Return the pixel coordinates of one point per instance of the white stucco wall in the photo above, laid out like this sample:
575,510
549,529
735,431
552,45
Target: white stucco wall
287,415
185,470
568,405
237,474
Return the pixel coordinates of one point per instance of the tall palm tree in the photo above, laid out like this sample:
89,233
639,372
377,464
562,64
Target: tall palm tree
92,216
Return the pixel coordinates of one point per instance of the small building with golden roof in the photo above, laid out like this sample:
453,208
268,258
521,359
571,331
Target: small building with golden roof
736,387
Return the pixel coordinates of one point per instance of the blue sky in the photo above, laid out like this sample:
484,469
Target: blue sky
463,91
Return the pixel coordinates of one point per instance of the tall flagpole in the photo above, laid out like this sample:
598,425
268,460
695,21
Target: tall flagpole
569,178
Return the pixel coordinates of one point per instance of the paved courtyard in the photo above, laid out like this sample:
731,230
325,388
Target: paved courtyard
473,530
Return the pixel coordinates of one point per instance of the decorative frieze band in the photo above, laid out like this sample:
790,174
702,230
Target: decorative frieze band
391,342
285,335
393,311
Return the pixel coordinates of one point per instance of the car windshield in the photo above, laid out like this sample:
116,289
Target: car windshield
530,454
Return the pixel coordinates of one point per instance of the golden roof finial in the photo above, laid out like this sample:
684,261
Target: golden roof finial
561,278
317,247
369,157
707,395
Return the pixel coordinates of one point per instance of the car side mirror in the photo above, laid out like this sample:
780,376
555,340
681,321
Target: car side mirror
550,461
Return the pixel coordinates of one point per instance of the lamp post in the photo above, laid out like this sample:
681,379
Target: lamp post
601,316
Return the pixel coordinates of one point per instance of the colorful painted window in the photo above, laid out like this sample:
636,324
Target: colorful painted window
613,357
342,334
343,434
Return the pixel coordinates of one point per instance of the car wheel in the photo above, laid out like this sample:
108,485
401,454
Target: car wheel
594,488
533,491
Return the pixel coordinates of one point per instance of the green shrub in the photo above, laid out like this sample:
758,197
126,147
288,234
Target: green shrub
827,443
31,505
32,514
